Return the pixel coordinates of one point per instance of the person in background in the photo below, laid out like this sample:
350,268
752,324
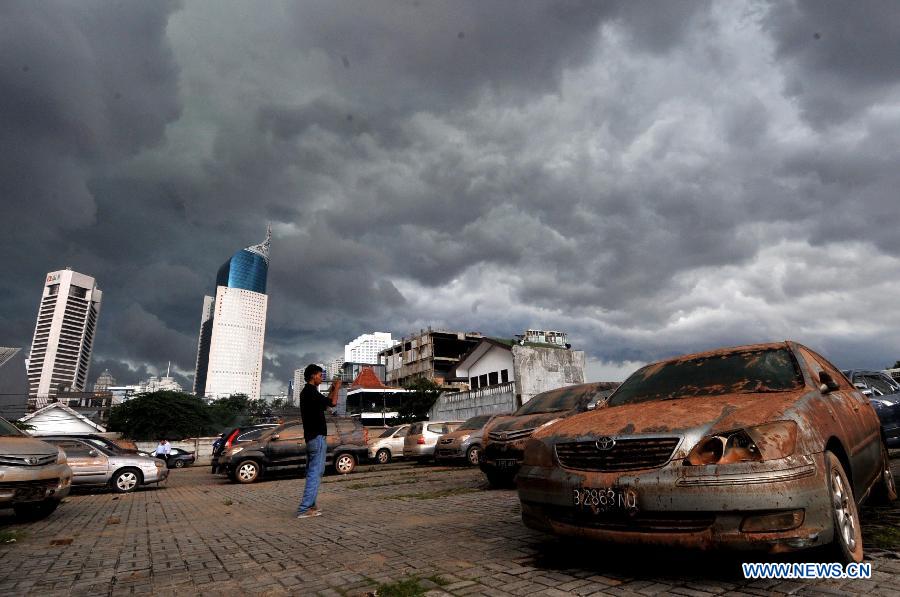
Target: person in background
312,411
162,450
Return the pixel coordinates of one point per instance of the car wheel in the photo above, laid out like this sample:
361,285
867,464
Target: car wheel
885,491
179,464
125,480
247,471
31,511
383,456
847,543
344,463
499,480
473,454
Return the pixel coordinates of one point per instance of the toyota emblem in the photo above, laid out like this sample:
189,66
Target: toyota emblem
605,443
503,436
31,461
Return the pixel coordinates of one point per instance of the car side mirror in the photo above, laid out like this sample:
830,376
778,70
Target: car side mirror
828,384
866,392
92,453
275,436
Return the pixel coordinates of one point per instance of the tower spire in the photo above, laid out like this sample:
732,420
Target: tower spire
262,249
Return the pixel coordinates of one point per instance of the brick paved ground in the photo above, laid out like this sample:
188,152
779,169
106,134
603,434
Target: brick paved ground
201,534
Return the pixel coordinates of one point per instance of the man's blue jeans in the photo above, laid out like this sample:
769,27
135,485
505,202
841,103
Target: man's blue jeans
315,466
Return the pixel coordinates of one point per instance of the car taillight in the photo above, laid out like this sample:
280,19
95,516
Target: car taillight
365,435
421,440
231,438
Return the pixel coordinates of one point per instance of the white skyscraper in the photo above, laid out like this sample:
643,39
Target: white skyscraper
233,327
63,336
365,348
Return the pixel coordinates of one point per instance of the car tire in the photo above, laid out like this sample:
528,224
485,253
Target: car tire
125,480
247,471
885,491
32,511
344,463
179,464
847,545
473,454
383,456
499,480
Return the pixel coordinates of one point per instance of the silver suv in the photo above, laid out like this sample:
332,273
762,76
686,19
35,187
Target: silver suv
34,476
423,437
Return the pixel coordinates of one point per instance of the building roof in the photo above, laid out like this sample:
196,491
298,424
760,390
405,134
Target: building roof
66,409
367,380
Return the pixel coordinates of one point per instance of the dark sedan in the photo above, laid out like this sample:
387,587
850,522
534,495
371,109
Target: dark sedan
883,392
179,458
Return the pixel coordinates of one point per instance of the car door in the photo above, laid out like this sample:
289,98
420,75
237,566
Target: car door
288,448
89,465
397,440
857,418
332,440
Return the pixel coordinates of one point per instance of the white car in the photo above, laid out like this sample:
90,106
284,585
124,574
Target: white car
388,445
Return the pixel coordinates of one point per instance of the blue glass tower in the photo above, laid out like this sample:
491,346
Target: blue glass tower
247,268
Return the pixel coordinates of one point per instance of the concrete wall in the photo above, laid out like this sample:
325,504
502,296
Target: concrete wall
541,369
200,446
485,401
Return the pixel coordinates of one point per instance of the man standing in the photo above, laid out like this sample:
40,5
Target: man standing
312,411
162,450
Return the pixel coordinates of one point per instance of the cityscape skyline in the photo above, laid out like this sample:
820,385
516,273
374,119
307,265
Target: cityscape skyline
653,178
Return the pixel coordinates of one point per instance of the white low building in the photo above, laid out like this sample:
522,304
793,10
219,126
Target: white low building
57,419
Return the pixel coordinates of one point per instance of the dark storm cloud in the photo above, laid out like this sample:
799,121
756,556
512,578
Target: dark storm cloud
842,56
651,177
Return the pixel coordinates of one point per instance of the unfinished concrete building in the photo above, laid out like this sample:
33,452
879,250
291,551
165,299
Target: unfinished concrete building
432,354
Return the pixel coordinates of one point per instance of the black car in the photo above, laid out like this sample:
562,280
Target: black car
284,449
236,435
884,395
179,458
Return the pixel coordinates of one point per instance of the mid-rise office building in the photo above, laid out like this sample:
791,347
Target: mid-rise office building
365,348
63,336
233,327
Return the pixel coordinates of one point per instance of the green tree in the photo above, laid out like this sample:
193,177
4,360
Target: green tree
896,365
231,411
415,404
172,415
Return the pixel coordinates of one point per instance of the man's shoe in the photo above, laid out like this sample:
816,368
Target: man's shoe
310,513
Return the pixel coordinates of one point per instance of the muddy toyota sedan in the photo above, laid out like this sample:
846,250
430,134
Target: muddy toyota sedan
765,447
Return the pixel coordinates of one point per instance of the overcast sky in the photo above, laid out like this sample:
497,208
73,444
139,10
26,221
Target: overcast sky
654,178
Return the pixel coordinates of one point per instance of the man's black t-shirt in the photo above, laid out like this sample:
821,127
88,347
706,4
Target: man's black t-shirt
312,411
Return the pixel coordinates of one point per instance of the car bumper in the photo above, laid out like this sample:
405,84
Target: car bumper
692,507
418,450
452,451
155,475
503,457
21,485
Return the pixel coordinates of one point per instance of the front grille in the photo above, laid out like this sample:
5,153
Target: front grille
625,455
508,436
447,441
28,460
445,452
39,484
494,451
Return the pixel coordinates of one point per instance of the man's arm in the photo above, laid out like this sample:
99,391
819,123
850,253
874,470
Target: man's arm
333,392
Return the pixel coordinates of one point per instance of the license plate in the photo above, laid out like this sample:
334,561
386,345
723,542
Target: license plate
605,499
29,493
506,463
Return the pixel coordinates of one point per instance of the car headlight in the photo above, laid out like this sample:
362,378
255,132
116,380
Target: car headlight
882,403
60,456
753,444
236,450
463,438
548,423
158,463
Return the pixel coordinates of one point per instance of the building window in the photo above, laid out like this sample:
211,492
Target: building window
482,380
473,383
504,376
492,377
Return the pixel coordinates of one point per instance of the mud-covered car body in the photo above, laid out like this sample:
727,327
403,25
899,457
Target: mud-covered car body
884,395
504,438
34,476
736,448
465,443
